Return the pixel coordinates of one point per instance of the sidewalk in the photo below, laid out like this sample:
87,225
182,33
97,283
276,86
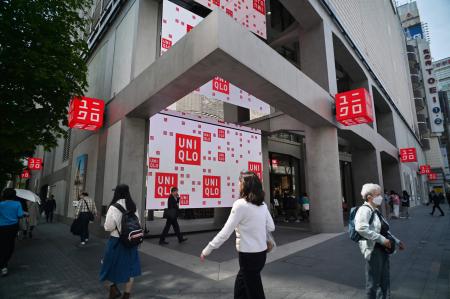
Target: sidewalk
53,266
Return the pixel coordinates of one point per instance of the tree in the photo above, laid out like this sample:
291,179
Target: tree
42,50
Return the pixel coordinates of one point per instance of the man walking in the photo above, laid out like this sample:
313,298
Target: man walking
171,214
435,199
50,207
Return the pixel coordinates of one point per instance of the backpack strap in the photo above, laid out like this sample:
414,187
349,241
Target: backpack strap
120,208
372,216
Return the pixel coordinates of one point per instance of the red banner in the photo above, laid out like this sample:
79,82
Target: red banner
86,113
425,169
221,85
408,155
187,149
25,174
34,163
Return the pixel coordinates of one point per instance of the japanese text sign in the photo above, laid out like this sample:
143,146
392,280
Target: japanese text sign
25,174
86,113
354,107
425,169
432,176
34,163
408,155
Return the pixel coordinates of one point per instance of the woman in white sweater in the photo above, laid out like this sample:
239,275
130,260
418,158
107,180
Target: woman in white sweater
251,220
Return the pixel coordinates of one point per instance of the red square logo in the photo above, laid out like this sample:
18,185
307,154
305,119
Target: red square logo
229,12
34,163
86,113
255,167
221,157
166,43
425,169
153,163
432,176
221,133
216,2
189,27
259,6
187,149
206,136
25,174
163,183
354,107
408,155
184,199
211,186
221,85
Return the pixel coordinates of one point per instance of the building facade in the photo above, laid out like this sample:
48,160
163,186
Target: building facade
289,57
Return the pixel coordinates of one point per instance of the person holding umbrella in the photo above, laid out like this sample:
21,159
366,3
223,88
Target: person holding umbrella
10,213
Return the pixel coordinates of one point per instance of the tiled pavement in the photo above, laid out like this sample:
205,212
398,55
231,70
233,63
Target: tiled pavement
53,266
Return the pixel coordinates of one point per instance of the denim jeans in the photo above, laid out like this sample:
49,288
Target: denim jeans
377,275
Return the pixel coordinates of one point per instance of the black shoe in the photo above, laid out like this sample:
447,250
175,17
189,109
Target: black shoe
442,215
182,240
163,243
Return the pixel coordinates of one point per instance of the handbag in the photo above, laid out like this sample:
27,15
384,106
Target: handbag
75,228
271,244
91,215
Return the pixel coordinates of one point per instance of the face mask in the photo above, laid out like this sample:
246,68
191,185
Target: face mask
378,200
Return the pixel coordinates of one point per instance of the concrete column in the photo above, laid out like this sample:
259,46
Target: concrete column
132,159
366,166
324,180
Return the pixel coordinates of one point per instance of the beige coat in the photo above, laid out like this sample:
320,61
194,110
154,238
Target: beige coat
33,210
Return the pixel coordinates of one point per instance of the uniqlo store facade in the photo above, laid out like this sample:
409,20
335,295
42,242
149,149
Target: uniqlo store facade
197,91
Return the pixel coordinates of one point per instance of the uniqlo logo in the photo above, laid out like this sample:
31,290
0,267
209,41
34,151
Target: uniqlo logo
255,167
25,174
86,113
206,136
432,176
221,133
211,186
216,2
34,163
184,199
187,149
425,169
189,27
259,5
163,183
229,12
153,163
354,107
221,85
166,43
408,155
221,157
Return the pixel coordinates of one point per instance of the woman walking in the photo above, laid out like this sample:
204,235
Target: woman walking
405,203
251,220
120,263
86,211
33,216
396,204
10,213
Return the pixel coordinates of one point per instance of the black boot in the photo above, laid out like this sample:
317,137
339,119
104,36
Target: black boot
114,292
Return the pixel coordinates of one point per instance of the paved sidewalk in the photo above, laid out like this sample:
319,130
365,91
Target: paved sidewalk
53,266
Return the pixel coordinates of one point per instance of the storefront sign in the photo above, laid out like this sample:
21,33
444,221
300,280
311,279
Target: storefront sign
432,176
34,163
86,113
201,156
354,107
25,174
425,169
408,155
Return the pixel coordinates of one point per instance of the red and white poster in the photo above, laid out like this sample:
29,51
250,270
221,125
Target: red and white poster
408,155
176,22
201,156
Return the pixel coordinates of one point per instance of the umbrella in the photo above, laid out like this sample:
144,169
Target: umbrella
28,195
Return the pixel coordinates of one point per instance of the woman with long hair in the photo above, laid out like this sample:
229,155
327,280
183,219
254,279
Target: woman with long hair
251,220
120,263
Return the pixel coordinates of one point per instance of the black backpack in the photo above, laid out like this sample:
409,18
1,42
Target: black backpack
353,234
132,233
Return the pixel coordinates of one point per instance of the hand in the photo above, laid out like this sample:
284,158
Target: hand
202,258
387,243
401,246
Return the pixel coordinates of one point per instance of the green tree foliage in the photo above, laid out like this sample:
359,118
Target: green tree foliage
42,46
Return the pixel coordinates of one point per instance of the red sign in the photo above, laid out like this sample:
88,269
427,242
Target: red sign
432,176
216,2
221,157
259,5
184,199
408,155
187,149
206,136
166,43
211,186
25,174
153,163
274,163
86,113
425,169
255,167
221,133
163,183
229,12
354,107
221,85
34,163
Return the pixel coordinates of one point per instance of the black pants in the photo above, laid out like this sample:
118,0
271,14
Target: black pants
171,222
378,275
7,240
84,219
49,216
436,206
248,284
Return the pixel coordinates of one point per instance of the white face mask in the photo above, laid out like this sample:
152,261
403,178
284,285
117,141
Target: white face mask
378,200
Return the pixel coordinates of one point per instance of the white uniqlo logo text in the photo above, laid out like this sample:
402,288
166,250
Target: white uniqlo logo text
356,104
343,111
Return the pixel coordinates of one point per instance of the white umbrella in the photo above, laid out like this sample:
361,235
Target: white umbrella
28,195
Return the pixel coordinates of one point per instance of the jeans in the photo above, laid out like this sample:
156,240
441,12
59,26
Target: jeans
248,284
171,222
377,275
84,219
7,240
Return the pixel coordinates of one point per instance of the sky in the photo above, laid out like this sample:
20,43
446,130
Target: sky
437,14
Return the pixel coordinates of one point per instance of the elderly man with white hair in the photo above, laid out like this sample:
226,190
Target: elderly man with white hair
376,243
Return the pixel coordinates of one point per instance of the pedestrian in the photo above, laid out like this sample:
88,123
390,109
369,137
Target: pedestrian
387,203
376,242
86,211
23,222
448,199
49,208
406,203
171,214
251,220
305,205
290,208
436,200
10,213
33,216
395,204
120,263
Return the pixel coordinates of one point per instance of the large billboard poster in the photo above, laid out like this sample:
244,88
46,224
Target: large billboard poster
203,157
176,22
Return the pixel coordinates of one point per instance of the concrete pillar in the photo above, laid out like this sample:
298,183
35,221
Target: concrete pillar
324,180
132,159
366,166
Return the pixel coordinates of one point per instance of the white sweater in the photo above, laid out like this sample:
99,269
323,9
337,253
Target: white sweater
113,222
251,223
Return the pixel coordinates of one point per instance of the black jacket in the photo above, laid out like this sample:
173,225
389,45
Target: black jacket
172,208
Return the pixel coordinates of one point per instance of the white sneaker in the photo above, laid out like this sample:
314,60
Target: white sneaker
83,243
4,271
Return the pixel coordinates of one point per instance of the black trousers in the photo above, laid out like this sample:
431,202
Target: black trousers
174,223
436,206
8,235
248,284
49,215
84,219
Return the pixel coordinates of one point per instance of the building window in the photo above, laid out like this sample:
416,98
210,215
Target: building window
66,149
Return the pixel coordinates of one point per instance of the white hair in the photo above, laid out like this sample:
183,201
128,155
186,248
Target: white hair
369,189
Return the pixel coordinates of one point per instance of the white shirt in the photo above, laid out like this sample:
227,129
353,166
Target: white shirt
370,232
114,218
251,223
